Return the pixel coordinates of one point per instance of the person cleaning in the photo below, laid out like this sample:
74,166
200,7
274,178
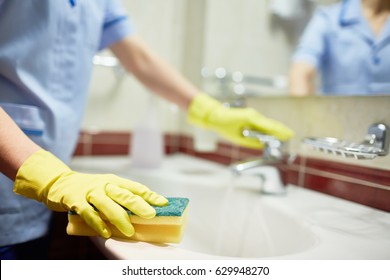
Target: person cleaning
46,62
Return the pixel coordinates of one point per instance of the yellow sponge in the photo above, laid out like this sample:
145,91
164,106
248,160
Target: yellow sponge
166,227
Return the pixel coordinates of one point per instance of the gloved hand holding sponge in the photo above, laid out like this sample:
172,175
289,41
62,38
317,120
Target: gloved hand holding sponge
45,178
207,112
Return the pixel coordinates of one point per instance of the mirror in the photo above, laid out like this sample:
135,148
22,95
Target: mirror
251,40
247,47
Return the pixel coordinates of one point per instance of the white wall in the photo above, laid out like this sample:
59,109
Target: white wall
241,35
115,103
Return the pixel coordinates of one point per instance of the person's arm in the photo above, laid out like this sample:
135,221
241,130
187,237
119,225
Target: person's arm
40,175
15,146
155,73
202,110
309,55
302,79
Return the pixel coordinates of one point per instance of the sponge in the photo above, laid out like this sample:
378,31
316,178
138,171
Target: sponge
166,227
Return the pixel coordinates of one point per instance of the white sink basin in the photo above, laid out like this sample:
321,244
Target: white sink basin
235,222
230,218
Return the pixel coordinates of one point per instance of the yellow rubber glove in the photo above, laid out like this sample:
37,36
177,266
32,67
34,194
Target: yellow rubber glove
45,178
207,112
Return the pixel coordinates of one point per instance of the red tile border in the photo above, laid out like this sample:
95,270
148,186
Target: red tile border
379,176
367,186
360,193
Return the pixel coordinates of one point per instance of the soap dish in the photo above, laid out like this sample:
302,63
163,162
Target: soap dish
375,144
342,148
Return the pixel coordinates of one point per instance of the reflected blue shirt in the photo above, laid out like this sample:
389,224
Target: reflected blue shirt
46,51
340,44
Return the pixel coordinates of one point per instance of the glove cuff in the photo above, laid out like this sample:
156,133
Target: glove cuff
37,174
200,108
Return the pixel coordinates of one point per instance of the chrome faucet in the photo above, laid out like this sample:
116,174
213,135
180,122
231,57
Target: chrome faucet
263,167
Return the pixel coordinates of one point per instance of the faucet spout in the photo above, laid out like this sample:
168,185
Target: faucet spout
242,166
263,167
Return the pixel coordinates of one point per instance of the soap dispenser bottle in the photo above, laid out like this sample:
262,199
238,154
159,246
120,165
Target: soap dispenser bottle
147,141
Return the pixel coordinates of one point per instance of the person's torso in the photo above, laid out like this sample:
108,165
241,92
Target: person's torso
355,61
46,51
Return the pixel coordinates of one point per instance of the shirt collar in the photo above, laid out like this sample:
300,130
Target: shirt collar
351,12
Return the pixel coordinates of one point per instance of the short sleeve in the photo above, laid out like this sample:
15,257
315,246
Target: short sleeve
117,24
311,47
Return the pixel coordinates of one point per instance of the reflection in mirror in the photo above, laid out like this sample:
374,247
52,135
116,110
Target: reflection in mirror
232,87
329,49
252,40
349,56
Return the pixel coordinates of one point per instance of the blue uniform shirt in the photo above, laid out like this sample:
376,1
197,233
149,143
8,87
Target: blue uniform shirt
340,44
46,51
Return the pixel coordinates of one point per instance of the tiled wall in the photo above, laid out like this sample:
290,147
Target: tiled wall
364,185
117,143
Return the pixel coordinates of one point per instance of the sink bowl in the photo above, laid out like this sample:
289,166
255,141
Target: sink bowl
234,222
229,218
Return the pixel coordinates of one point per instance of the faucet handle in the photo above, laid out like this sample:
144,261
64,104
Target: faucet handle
272,145
264,138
